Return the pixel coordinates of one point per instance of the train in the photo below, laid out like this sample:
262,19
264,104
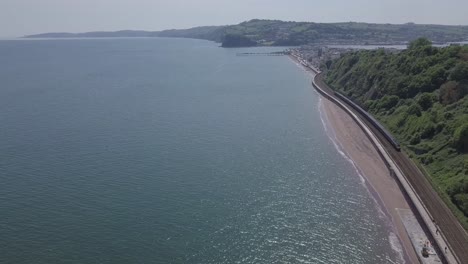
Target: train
371,119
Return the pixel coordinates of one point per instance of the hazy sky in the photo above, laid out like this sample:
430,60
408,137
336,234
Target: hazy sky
20,17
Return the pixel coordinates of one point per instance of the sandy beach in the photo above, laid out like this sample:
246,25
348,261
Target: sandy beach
354,143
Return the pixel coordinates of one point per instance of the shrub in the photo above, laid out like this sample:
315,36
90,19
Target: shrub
401,120
451,92
420,42
388,101
414,109
461,200
459,72
439,127
369,104
460,138
465,165
458,192
427,159
426,100
415,139
428,131
448,115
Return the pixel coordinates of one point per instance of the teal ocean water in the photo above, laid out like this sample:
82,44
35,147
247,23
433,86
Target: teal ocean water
172,151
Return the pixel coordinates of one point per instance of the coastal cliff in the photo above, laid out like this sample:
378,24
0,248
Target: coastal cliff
232,40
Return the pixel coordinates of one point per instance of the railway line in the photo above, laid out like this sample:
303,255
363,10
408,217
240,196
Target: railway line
443,220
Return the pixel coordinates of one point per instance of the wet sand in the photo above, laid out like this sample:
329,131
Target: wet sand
355,144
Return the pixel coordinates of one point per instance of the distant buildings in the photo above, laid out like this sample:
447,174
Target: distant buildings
317,56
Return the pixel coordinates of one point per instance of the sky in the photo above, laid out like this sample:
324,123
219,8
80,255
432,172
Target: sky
22,17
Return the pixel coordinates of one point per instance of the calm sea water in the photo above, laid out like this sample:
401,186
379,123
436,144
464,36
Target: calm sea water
172,151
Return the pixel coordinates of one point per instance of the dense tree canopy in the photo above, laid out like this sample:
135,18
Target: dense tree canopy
233,40
420,42
459,72
460,137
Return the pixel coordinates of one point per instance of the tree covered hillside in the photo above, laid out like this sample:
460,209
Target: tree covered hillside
419,94
289,33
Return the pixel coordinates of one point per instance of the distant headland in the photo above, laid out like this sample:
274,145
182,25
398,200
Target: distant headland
258,32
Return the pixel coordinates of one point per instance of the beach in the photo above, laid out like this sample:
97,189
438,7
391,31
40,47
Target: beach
352,141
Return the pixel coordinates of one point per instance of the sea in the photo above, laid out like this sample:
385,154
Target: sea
159,150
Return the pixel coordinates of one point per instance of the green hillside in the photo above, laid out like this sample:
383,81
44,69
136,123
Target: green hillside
286,33
420,95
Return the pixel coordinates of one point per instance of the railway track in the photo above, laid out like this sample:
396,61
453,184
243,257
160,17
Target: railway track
446,222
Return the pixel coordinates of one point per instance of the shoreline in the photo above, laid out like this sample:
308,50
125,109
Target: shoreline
354,145
351,140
